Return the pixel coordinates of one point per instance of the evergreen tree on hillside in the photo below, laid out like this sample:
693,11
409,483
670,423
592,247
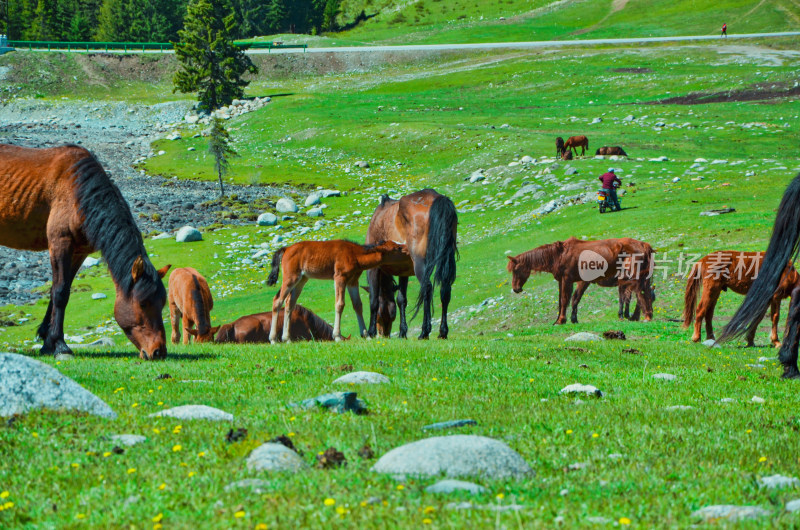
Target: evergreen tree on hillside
210,63
330,14
219,145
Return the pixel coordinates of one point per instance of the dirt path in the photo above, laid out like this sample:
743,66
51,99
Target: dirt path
616,7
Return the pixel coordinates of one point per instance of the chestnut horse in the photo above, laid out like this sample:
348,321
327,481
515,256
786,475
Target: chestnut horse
339,260
782,247
573,142
601,262
61,200
608,151
734,270
559,146
426,221
190,304
304,325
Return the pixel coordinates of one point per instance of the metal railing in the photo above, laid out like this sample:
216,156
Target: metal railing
127,46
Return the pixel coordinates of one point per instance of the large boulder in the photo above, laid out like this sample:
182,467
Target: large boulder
188,234
363,377
286,205
27,384
275,457
454,456
267,219
313,199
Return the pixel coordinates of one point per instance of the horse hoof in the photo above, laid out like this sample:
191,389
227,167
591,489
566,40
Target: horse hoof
790,372
338,338
776,344
64,356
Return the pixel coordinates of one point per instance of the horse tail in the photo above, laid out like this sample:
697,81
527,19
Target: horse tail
782,246
272,279
690,295
442,251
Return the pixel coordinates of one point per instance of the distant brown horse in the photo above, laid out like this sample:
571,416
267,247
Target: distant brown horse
426,221
559,146
190,304
734,270
339,260
573,142
601,262
607,151
61,200
304,325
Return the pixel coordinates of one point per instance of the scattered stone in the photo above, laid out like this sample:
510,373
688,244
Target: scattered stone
659,159
570,171
599,520
727,400
614,335
449,425
313,199
128,439
729,512
286,205
275,457
679,407
477,176
597,120
362,164
616,456
578,466
766,359
527,159
665,377
629,117
676,179
194,412
89,262
454,456
757,399
793,506
583,337
452,486
99,296
188,234
256,485
338,402
330,193
174,136
331,458
27,384
236,435
267,219
162,235
577,388
363,378
315,212
712,213
755,366
777,482
711,343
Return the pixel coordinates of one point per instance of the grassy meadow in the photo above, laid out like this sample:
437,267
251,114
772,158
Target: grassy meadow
431,123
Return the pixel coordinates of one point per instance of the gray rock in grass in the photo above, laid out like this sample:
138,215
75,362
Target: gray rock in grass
188,234
453,486
363,378
267,219
577,388
793,506
583,336
453,424
338,402
256,485
729,512
194,412
286,205
128,439
665,377
777,482
275,457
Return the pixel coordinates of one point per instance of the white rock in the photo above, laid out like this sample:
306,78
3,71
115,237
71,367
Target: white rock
676,179
162,235
727,400
174,136
729,512
777,482
583,336
128,439
793,506
477,176
315,212
527,159
451,486
659,159
188,234
665,377
679,407
363,378
275,457
577,388
757,399
313,199
89,262
362,164
286,205
711,343
267,219
597,120
257,485
194,412
330,193
99,296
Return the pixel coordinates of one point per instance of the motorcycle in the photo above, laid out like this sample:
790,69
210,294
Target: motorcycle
602,201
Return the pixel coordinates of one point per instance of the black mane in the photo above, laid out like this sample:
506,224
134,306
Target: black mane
110,228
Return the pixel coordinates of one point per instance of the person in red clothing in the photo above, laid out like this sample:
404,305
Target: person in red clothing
724,30
610,183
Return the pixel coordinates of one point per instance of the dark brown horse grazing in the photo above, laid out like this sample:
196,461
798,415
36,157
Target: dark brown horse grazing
603,262
566,155
304,325
61,200
339,260
426,221
573,142
734,270
608,151
190,304
559,146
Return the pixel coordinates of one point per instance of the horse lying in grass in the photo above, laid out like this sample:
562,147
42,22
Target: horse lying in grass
304,325
573,142
608,151
190,304
426,222
603,262
339,260
734,270
61,200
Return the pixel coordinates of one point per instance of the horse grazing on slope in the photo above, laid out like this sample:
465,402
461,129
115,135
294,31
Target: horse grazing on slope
573,142
605,262
737,271
60,199
253,329
339,260
559,146
566,155
190,304
426,222
782,246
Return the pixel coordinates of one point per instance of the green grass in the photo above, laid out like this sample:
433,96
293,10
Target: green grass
503,359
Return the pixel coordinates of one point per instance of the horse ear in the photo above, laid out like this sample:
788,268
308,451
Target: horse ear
512,259
137,270
163,270
213,330
192,332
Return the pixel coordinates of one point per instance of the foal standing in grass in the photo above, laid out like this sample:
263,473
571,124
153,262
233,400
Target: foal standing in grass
190,304
339,260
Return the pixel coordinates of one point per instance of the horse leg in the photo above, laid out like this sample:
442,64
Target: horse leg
187,325
65,264
277,303
289,309
576,299
565,293
402,303
339,307
643,303
355,299
776,318
372,282
444,295
44,327
700,314
709,314
788,352
175,318
426,292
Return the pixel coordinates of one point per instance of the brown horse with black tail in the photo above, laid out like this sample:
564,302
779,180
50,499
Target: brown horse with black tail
782,247
190,305
254,329
425,221
61,200
573,142
604,262
734,270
